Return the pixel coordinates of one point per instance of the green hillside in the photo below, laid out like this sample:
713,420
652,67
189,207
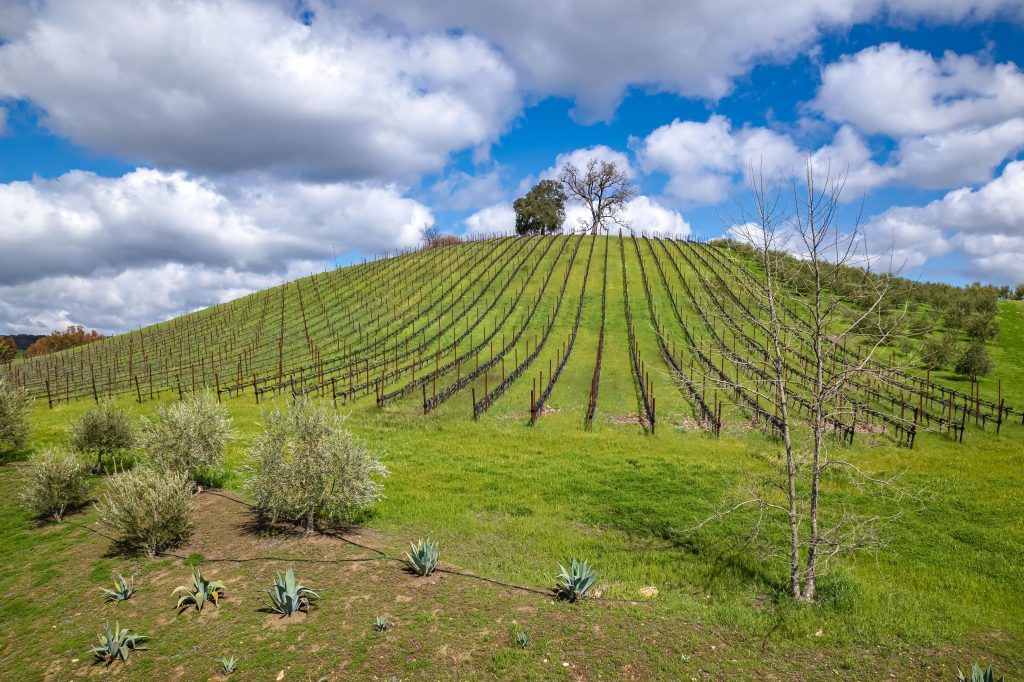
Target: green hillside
538,399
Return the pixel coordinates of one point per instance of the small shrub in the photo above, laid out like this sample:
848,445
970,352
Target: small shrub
123,589
116,643
381,624
200,592
188,436
104,430
307,467
937,353
57,483
978,675
522,639
575,584
422,556
288,596
228,665
148,508
974,361
14,408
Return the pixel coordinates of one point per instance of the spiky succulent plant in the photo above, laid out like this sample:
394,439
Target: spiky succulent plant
200,592
288,596
228,665
574,584
381,624
116,643
422,556
522,639
123,589
978,674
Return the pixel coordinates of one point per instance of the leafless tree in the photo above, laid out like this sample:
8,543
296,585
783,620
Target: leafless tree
428,233
603,188
808,225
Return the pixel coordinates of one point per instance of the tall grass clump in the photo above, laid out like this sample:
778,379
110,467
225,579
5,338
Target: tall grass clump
104,430
188,437
148,508
306,467
14,425
57,483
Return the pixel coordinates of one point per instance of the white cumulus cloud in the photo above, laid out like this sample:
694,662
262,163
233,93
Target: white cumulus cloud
58,236
234,85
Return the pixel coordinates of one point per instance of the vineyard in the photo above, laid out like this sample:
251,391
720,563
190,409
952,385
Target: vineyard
514,327
537,400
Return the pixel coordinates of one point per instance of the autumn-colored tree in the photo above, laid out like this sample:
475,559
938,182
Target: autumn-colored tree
75,335
8,350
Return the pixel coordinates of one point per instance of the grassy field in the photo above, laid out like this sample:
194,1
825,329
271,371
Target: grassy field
508,502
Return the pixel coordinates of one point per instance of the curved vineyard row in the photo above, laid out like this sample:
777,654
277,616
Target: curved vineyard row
447,322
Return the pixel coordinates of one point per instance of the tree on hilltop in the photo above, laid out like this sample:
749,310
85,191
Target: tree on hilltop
542,210
604,189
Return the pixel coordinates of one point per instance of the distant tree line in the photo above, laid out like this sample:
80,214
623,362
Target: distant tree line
75,335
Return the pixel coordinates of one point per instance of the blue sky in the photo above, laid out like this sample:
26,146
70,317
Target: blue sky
164,157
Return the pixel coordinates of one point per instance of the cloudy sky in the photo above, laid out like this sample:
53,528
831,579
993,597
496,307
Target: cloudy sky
162,156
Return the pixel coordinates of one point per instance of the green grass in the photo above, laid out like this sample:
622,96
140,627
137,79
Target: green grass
510,502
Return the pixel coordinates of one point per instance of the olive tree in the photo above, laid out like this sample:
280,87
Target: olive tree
188,436
57,483
14,408
306,467
973,361
104,430
148,508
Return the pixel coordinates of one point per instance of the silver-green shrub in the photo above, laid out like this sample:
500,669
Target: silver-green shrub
305,466
57,483
188,436
148,508
104,430
14,408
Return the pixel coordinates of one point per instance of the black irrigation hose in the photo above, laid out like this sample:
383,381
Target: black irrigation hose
381,556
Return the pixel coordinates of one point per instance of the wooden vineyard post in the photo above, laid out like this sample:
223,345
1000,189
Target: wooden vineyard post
473,390
138,391
334,391
49,399
216,379
255,391
424,387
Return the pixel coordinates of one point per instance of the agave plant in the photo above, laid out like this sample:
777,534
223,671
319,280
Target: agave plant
287,596
381,624
978,675
422,556
201,591
228,665
116,643
522,639
576,583
123,589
